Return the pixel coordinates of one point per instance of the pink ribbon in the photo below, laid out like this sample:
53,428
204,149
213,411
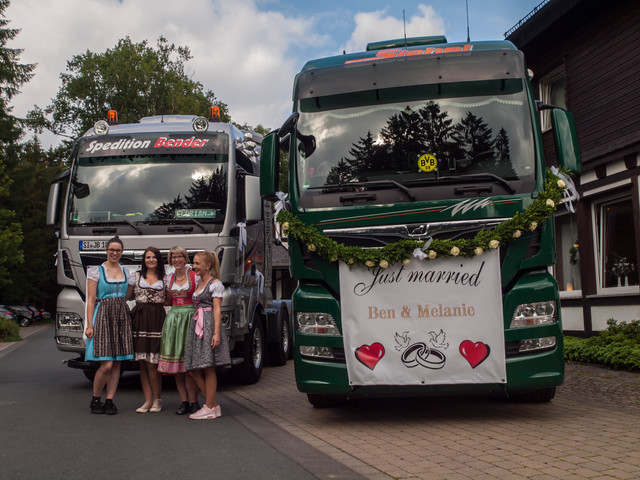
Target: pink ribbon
199,318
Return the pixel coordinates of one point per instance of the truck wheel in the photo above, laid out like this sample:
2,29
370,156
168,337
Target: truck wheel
252,352
542,395
325,401
279,351
25,321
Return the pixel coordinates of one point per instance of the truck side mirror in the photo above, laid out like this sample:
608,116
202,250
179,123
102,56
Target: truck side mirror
566,140
269,166
253,201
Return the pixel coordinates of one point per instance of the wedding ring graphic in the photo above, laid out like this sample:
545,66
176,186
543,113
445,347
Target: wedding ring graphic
420,354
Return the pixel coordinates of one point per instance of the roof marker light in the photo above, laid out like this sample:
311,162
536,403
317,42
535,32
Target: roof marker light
112,117
214,114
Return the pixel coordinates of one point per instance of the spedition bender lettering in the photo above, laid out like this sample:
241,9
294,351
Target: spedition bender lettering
133,144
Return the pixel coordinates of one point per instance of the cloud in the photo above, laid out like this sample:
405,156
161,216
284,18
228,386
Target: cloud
244,55
378,25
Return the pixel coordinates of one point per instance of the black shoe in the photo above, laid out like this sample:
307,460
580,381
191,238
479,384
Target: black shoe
96,406
183,409
195,406
109,407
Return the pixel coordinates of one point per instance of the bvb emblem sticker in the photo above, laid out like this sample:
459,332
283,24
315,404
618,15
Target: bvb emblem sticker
427,163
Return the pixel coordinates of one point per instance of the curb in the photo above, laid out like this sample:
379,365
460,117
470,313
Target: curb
25,332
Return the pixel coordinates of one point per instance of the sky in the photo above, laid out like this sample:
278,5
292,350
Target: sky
246,51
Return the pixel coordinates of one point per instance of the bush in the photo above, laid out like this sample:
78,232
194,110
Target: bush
9,330
617,347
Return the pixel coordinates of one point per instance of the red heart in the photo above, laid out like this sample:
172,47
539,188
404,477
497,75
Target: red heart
474,353
370,355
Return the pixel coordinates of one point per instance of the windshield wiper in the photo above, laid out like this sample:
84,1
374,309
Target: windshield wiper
368,184
112,222
163,221
470,177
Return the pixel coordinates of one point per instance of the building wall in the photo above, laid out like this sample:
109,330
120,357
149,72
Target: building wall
594,43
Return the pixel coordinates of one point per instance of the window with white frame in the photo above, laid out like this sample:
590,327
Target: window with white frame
552,92
616,243
567,270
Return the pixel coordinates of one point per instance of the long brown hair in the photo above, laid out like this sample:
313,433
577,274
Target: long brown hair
159,268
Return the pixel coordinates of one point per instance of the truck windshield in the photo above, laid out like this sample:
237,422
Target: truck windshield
420,137
149,189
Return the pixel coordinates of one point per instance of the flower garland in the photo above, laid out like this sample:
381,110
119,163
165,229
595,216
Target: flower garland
403,250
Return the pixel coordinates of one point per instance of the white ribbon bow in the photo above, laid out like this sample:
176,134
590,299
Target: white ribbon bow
279,205
570,192
420,253
242,241
260,281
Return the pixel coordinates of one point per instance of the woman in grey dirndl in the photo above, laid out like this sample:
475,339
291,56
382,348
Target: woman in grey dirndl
207,345
108,330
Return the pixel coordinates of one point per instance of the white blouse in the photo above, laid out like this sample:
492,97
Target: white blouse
175,287
216,288
93,273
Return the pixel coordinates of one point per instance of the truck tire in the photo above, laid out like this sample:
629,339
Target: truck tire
325,401
252,352
279,351
542,395
24,321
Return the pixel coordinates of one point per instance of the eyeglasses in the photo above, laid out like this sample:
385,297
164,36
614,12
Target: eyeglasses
114,250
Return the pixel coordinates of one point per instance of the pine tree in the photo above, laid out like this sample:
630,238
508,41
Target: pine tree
13,75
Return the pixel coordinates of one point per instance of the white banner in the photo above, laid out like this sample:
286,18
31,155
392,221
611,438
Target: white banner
430,322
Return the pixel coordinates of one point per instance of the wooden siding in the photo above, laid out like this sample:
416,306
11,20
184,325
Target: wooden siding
602,68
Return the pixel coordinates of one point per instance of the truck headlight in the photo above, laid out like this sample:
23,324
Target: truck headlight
318,352
537,344
316,323
531,314
70,321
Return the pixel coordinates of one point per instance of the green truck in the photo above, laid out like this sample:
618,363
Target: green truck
419,222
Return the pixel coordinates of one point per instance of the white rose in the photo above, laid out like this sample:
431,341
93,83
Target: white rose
432,254
369,263
384,264
494,244
533,226
455,251
561,184
311,247
550,202
517,234
406,261
478,251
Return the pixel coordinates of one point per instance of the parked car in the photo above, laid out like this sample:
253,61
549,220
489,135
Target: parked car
22,315
6,313
36,314
44,314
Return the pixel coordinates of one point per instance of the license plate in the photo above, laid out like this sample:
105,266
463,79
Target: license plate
93,245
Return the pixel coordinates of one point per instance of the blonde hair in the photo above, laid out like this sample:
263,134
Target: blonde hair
177,251
211,259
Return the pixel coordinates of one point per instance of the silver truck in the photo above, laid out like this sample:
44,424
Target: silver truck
166,181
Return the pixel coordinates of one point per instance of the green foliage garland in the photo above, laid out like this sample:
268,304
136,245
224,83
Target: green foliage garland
403,250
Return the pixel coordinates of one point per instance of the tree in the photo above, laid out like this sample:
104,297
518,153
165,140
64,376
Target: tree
13,75
134,79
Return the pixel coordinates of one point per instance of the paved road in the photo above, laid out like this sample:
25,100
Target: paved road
48,432
590,430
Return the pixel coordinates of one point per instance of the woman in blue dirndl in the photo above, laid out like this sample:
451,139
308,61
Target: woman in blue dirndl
108,331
